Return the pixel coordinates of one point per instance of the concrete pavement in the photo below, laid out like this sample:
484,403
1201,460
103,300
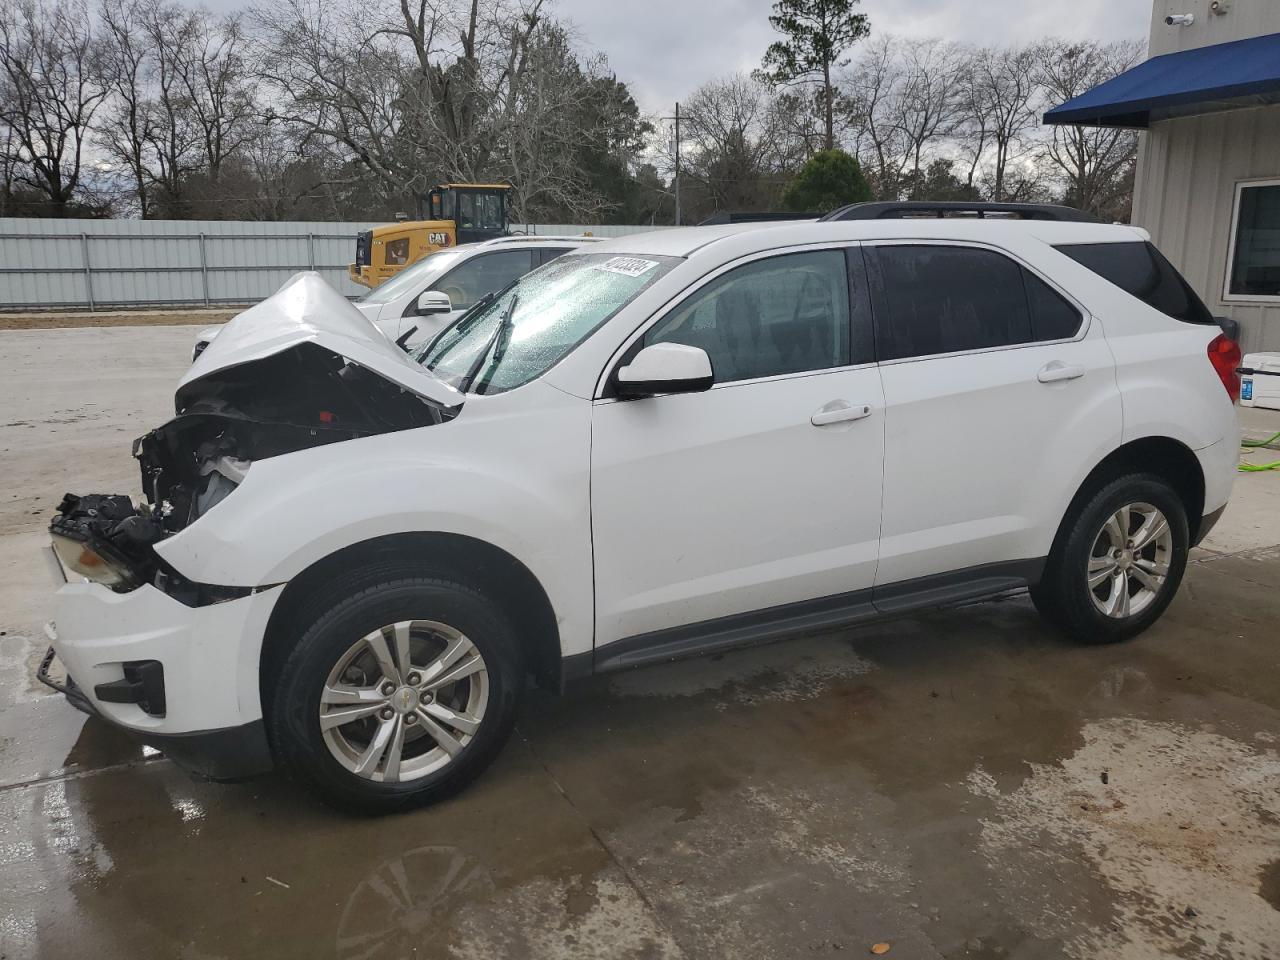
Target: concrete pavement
962,784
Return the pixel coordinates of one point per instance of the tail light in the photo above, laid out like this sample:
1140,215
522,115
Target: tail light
1224,354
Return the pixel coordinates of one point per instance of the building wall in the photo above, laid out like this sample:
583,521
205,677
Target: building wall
1244,18
1188,168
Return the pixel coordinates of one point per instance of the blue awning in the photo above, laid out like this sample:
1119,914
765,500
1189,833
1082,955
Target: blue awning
1220,77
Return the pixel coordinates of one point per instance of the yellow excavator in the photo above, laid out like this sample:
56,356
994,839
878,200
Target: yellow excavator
460,213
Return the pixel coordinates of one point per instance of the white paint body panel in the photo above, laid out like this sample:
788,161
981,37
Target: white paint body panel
710,504
308,310
210,654
511,470
981,458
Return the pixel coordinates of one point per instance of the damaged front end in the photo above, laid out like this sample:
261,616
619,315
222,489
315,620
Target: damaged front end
305,395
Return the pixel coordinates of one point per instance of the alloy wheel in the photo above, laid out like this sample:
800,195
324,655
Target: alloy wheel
404,701
1129,562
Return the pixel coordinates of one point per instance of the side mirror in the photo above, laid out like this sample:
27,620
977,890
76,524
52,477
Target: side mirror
433,301
665,368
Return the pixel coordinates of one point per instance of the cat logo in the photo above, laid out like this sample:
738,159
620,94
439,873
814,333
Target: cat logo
438,238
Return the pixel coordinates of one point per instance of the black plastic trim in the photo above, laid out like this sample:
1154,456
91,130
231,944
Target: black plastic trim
879,603
143,684
639,389
231,753
1207,523
898,210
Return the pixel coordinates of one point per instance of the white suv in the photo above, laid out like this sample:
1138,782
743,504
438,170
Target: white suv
425,297
351,559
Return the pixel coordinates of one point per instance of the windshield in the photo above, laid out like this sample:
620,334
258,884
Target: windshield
413,279
556,308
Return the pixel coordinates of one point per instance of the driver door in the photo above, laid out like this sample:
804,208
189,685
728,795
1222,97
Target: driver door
756,501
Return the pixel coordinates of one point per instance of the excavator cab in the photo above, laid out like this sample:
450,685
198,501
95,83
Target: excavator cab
478,210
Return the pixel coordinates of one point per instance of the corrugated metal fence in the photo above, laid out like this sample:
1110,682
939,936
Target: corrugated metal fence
100,264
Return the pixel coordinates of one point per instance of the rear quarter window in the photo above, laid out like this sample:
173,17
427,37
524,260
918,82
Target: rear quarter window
1141,270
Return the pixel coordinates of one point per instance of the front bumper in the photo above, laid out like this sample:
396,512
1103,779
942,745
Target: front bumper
210,715
233,753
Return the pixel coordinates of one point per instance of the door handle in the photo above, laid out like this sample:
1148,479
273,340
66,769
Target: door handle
839,411
1056,370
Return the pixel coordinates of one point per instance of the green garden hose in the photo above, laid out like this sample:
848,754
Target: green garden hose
1253,445
1260,443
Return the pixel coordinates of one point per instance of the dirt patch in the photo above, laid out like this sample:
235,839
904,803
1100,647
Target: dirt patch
115,318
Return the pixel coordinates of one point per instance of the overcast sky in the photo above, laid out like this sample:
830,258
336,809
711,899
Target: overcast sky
663,49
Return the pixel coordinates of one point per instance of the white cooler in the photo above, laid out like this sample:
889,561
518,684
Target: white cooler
1260,380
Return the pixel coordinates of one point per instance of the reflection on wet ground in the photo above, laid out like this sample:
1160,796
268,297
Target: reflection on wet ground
959,785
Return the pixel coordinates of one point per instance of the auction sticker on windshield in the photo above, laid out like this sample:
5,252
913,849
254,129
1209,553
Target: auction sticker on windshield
627,266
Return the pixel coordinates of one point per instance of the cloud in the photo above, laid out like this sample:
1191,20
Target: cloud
664,49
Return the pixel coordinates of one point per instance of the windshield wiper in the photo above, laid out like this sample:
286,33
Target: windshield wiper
503,324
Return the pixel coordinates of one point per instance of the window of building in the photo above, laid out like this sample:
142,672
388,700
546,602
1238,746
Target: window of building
784,314
1254,267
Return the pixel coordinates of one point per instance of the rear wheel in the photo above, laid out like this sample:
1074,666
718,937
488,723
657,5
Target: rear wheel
1120,562
397,696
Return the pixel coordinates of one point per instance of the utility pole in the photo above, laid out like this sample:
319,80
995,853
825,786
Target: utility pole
676,118
677,163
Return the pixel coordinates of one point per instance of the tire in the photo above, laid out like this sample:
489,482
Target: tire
351,652
1135,572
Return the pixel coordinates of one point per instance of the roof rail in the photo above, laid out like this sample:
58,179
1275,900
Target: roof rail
904,209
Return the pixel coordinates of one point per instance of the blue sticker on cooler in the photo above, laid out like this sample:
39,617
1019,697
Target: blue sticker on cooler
1246,390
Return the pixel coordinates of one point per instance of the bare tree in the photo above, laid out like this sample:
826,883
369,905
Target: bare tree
447,90
737,143
929,104
218,84
55,78
126,123
1096,163
1001,102
904,102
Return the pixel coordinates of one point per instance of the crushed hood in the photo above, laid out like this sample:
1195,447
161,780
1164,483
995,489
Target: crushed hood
307,310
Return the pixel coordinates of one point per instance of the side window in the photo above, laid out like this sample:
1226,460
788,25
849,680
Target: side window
941,299
547,254
466,210
487,273
785,314
1052,317
1140,269
397,252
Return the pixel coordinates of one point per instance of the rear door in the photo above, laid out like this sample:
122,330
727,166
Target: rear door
999,394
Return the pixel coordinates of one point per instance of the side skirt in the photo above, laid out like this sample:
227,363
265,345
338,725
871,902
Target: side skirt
808,616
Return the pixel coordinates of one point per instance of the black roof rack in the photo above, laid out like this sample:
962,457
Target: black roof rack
905,209
722,217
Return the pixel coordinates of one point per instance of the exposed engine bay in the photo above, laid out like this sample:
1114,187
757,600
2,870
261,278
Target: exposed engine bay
305,396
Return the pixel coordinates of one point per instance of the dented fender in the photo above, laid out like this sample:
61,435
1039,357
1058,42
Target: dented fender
296,509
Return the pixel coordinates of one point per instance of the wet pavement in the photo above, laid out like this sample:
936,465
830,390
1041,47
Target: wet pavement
962,784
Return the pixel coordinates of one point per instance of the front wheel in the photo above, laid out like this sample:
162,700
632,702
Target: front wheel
397,696
1120,562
